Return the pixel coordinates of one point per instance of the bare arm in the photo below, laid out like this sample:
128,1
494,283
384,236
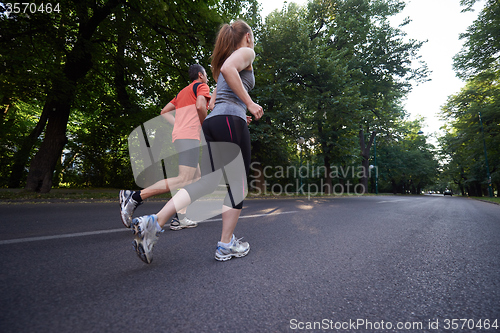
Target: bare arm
201,107
166,112
238,61
211,105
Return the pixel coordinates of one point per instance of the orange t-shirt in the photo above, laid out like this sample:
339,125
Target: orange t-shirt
187,123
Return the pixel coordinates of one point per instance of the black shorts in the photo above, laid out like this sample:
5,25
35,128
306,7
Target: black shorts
188,151
223,129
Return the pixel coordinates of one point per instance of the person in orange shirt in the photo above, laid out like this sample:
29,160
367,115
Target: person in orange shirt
190,106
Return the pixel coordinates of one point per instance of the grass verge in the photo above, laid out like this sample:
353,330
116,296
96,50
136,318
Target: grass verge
494,200
63,195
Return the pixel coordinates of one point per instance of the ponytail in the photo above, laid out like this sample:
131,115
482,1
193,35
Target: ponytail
227,40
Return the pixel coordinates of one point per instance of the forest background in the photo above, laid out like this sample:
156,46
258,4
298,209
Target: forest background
76,81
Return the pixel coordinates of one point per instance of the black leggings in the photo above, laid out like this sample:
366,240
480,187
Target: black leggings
226,137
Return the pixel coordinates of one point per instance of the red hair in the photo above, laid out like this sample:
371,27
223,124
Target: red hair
227,40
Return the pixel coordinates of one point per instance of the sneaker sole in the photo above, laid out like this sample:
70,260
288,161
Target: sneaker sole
136,230
230,256
180,228
124,221
139,249
122,199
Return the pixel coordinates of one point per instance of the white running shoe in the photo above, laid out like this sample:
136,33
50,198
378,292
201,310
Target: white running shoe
127,207
177,224
237,249
147,232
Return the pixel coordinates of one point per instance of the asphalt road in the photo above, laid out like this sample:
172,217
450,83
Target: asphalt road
355,263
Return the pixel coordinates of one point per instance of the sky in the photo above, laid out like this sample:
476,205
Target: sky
440,22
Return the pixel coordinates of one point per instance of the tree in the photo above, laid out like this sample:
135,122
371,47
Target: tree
333,71
28,65
467,142
463,144
481,49
406,162
61,93
385,74
301,84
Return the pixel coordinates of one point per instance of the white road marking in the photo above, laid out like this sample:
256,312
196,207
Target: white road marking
78,234
256,215
100,232
392,200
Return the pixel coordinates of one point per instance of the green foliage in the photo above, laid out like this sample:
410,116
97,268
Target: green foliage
406,162
481,48
20,119
470,148
329,69
134,55
463,145
324,71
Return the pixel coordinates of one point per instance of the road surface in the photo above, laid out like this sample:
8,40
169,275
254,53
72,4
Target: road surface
350,264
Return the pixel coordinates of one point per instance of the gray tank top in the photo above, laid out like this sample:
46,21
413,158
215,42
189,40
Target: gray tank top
226,101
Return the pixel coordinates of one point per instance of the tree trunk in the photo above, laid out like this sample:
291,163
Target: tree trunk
394,186
462,190
326,151
364,180
477,189
328,179
43,164
58,105
22,155
365,154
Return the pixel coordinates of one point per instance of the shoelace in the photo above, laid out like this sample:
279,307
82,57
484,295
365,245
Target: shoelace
148,225
237,241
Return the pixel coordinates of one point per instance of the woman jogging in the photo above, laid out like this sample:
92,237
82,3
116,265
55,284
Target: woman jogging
227,123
